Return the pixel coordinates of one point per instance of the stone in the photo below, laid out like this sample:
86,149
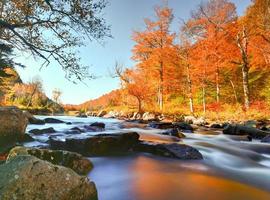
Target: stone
236,129
53,121
13,124
42,131
161,125
98,124
67,159
172,150
27,177
98,145
183,126
215,125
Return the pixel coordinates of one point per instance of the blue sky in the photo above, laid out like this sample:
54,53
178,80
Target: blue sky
124,16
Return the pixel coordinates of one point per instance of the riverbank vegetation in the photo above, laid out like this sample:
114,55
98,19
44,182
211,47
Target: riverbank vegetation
216,65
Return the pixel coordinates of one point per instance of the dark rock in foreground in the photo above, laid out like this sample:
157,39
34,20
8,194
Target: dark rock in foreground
236,129
266,139
174,150
13,123
102,144
98,124
53,121
42,131
67,159
110,144
27,177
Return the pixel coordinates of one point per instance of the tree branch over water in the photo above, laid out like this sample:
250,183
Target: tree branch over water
53,29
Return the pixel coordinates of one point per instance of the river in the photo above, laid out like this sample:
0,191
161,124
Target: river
230,170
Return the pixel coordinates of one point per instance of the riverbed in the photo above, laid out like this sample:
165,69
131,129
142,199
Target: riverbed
230,170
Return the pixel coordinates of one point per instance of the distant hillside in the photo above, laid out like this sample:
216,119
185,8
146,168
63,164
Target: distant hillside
107,100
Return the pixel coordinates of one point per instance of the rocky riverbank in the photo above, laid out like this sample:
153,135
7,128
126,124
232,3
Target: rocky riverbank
64,150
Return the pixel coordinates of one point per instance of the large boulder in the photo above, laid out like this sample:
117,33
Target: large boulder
42,131
173,150
53,121
236,129
161,125
12,126
99,145
27,177
71,160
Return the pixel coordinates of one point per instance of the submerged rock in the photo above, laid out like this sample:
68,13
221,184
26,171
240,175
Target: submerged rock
27,177
102,144
71,160
236,129
42,131
173,150
98,124
13,123
53,121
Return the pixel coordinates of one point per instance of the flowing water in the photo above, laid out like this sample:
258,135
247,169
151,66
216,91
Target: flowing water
230,170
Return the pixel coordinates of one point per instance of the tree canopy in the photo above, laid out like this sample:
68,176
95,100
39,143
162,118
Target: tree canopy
52,29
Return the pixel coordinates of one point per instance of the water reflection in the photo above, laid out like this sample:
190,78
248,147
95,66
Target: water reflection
145,178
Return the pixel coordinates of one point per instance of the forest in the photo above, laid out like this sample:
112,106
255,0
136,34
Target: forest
216,64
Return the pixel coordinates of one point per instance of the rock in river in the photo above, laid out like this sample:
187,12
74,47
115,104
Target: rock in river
53,121
27,177
236,129
173,150
102,144
42,131
71,160
13,124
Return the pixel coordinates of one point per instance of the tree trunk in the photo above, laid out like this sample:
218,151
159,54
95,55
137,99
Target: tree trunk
161,89
234,91
246,86
217,85
139,105
204,100
242,42
190,95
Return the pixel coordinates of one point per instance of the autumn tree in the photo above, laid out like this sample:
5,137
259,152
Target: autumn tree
207,26
52,29
135,82
154,50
